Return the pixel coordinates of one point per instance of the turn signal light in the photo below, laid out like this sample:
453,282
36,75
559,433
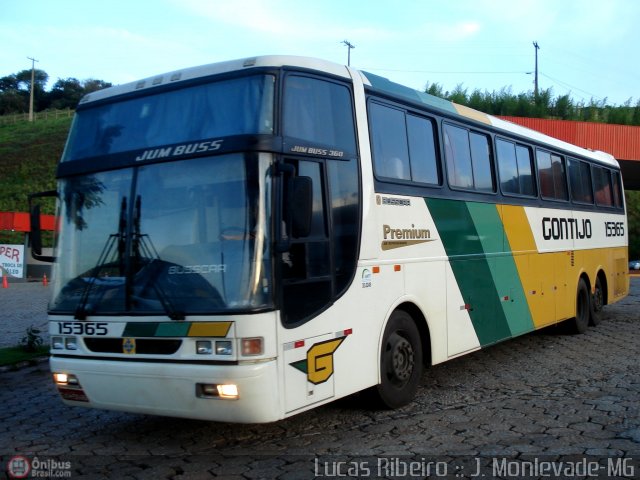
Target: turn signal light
252,346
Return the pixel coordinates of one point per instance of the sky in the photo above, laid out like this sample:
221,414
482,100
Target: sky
588,48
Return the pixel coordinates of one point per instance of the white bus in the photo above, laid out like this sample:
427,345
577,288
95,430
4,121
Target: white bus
247,240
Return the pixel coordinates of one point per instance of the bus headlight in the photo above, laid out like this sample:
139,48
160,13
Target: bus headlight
224,347
203,347
70,343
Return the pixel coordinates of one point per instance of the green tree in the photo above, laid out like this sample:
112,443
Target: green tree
633,216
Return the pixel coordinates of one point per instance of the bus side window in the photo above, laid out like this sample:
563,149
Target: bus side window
617,190
320,112
580,181
389,142
515,168
602,183
553,176
469,159
458,157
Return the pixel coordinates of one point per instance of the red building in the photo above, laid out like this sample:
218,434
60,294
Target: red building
621,141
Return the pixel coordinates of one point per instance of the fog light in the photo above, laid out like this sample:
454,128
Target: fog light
70,343
224,347
229,391
252,346
214,390
66,379
203,347
57,343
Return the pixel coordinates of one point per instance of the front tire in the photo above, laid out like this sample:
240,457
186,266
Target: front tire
400,361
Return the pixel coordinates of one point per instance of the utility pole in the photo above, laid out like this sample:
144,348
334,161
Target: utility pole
349,47
535,81
33,75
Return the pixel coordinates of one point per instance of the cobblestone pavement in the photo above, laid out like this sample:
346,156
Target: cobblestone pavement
23,305
547,394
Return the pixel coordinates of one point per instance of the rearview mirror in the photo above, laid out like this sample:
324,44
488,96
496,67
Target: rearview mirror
35,234
301,205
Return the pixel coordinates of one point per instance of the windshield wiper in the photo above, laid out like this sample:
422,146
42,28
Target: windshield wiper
143,249
117,240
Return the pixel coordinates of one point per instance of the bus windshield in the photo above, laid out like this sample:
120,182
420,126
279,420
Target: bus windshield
174,238
212,110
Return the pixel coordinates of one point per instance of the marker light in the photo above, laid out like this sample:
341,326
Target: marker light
252,346
61,378
57,343
203,347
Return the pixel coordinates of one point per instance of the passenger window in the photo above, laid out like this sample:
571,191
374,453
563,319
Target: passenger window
507,167
602,183
481,161
389,142
422,150
468,157
553,177
320,112
458,156
617,190
580,181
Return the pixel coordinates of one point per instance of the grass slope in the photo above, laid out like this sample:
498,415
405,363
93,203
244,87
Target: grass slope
29,153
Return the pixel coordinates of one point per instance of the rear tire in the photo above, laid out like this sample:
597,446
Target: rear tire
400,361
597,303
580,323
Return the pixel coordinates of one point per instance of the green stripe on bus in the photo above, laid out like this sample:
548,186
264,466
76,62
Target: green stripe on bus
173,329
502,265
142,329
462,242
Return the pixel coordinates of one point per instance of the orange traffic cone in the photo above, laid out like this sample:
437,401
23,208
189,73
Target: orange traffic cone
45,282
5,282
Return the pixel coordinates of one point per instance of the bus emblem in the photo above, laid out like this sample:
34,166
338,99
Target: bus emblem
129,346
319,362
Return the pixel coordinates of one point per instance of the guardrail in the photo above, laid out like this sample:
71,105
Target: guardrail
44,115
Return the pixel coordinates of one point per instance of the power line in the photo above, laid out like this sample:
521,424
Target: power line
571,87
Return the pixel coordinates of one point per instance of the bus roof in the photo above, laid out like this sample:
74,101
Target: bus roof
376,82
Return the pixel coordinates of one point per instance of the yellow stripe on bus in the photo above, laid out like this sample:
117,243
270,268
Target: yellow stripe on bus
209,329
535,270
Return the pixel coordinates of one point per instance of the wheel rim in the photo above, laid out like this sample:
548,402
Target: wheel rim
400,359
598,299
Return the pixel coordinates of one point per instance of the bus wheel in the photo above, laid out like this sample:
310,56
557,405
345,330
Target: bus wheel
597,302
400,361
583,308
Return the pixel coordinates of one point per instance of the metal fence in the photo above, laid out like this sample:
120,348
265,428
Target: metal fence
44,115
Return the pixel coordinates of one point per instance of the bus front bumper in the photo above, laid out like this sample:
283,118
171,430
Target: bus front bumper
172,389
